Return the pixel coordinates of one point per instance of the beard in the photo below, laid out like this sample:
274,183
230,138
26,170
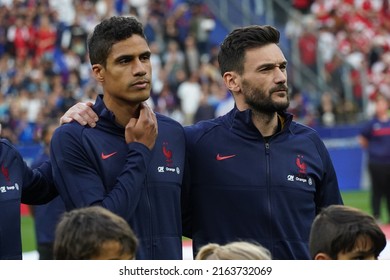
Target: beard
261,101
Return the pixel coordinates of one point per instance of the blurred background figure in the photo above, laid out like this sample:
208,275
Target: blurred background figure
375,138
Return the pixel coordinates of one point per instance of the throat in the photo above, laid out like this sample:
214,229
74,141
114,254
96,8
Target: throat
277,128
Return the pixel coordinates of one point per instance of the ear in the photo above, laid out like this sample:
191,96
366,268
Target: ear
98,72
322,257
231,80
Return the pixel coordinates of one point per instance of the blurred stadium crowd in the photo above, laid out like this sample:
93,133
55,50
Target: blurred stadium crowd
44,66
347,44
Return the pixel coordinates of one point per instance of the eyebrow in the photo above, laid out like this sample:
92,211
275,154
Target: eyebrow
130,56
271,65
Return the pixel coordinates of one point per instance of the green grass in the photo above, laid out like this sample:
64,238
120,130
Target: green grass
361,200
28,234
358,199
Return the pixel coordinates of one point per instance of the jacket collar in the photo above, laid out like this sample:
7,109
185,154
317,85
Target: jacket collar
101,109
240,123
106,117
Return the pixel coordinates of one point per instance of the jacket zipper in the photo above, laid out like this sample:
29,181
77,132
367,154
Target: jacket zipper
268,178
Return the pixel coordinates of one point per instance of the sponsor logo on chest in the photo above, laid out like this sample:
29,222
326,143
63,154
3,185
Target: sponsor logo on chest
169,164
301,174
8,188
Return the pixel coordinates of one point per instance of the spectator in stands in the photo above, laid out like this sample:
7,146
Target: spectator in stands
345,233
205,110
201,24
190,94
343,20
174,62
94,233
18,35
300,107
45,37
239,250
308,44
375,138
327,110
302,5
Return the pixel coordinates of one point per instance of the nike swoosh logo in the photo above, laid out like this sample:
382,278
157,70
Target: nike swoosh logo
107,156
219,157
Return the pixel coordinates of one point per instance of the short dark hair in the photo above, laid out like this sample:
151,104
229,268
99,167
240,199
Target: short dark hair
337,227
81,232
108,32
232,50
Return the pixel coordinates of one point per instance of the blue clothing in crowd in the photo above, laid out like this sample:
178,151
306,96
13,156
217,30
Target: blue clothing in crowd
378,135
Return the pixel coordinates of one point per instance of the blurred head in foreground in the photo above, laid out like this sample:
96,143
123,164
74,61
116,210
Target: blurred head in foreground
94,233
239,250
342,232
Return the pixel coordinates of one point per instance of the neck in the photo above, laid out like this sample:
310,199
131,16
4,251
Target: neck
266,124
122,112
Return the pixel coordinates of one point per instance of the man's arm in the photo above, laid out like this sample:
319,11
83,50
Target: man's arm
36,185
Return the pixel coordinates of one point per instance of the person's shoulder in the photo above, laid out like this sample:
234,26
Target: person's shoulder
300,128
7,145
69,134
307,133
5,142
7,149
203,124
69,128
198,130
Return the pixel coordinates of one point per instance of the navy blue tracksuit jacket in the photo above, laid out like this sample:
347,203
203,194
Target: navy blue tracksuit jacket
238,187
95,166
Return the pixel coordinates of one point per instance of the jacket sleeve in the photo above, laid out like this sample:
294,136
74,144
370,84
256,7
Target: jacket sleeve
79,183
38,185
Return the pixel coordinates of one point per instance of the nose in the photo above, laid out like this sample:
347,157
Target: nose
280,76
139,68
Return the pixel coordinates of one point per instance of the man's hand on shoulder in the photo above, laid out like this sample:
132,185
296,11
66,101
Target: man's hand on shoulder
82,113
